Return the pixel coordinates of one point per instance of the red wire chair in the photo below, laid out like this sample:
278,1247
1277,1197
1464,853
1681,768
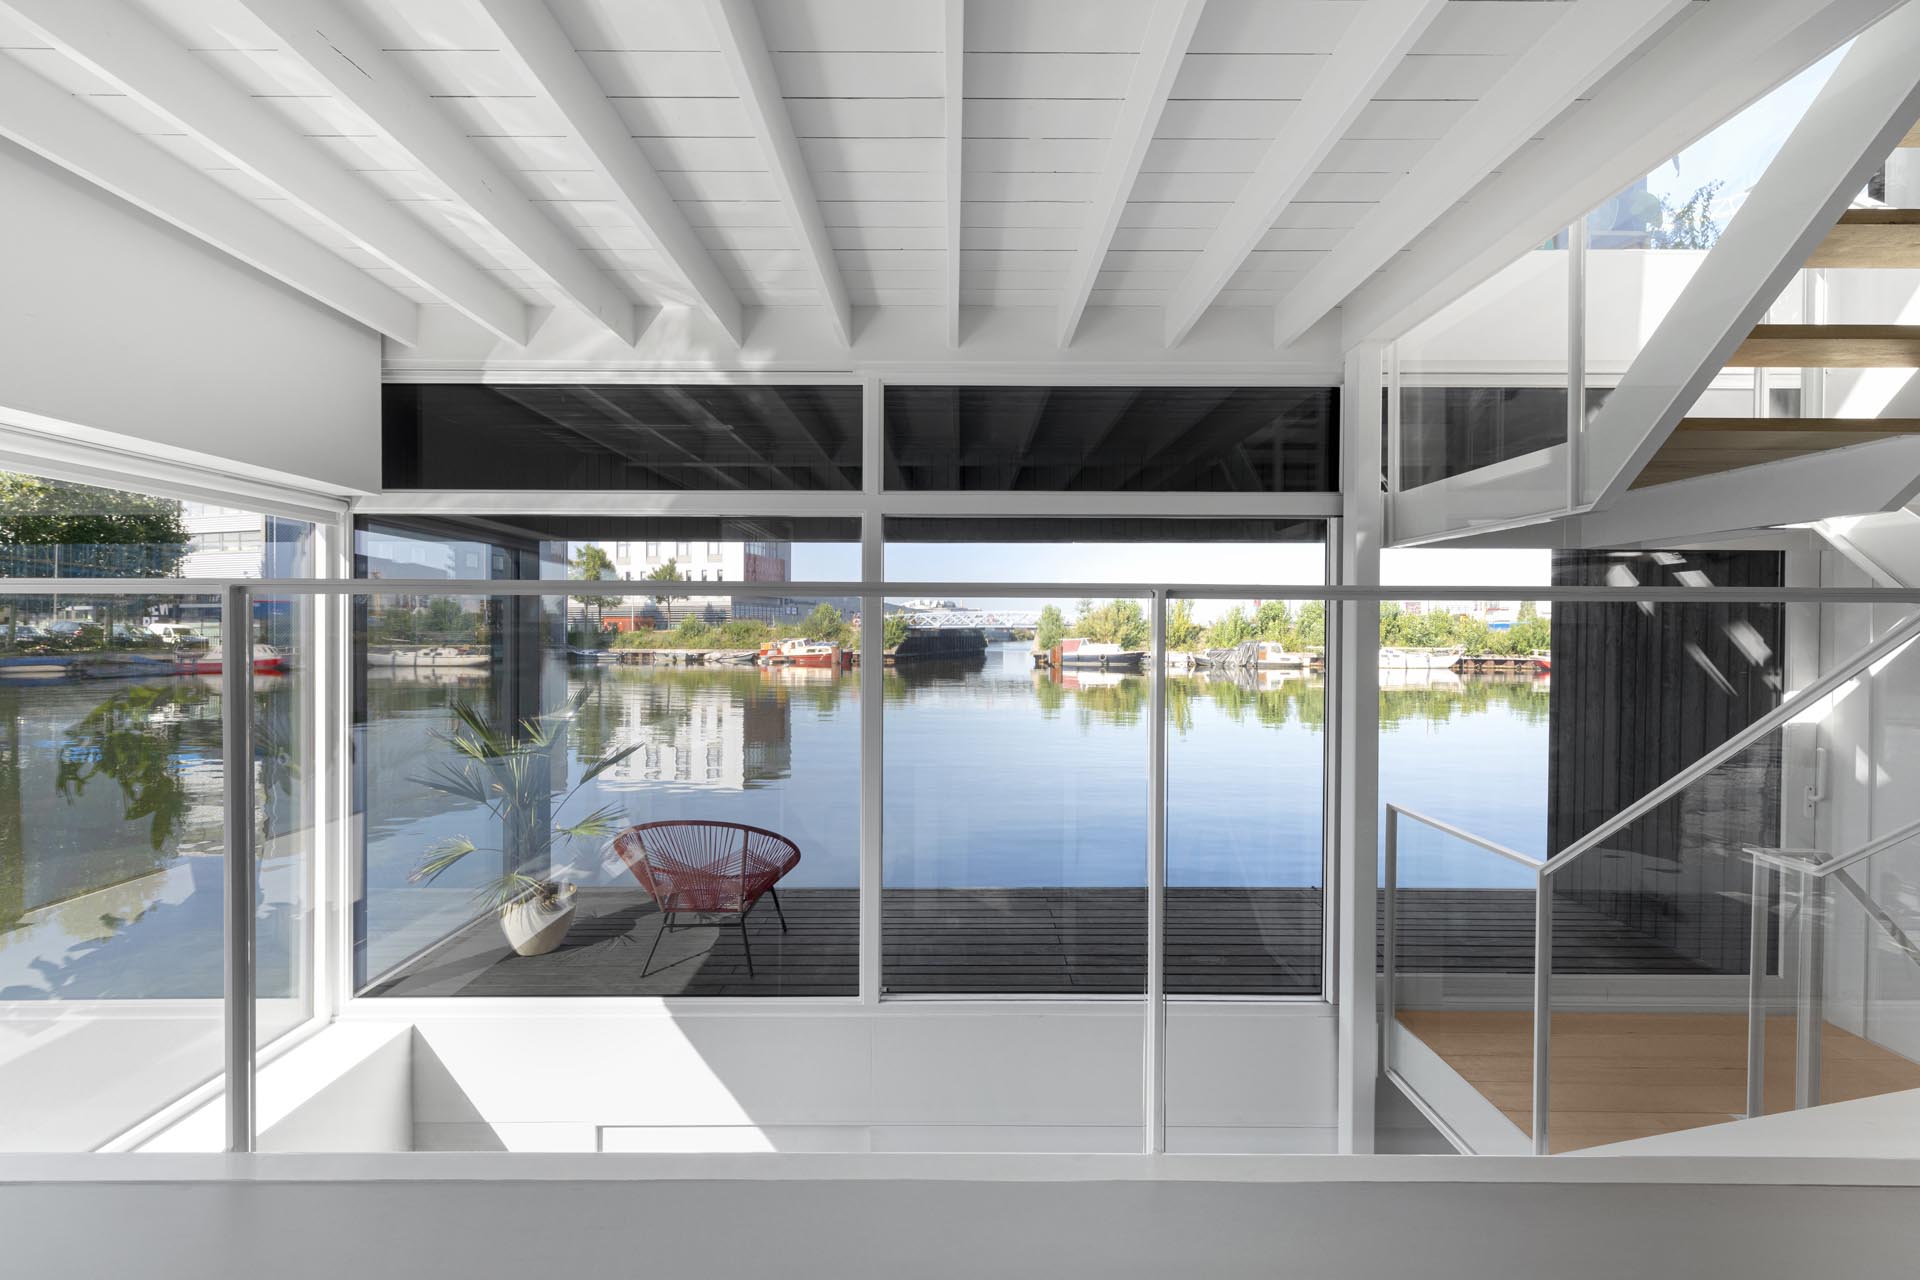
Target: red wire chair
707,868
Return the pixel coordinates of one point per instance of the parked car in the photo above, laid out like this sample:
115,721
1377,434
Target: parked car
68,628
179,636
23,633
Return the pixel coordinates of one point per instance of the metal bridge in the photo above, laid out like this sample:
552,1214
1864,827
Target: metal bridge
982,619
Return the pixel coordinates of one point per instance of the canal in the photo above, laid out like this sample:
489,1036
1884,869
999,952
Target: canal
997,777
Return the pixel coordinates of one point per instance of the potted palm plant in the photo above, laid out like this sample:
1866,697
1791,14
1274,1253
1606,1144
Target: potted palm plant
507,770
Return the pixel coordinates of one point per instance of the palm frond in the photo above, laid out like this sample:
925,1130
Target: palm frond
453,782
609,760
439,856
598,825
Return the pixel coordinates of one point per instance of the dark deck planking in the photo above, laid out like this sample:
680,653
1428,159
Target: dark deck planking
1016,941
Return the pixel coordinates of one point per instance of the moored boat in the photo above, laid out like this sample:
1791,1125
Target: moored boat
1100,654
267,661
798,652
439,655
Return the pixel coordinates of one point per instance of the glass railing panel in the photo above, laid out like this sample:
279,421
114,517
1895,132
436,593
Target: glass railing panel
1870,990
669,809
1016,756
111,863
286,683
1246,860
1459,926
1645,242
1246,783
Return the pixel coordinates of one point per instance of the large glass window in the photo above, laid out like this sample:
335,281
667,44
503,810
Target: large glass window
620,436
1246,776
1016,736
685,766
1112,439
112,833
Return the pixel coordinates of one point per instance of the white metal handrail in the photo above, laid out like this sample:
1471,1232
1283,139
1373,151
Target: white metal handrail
1542,935
1900,634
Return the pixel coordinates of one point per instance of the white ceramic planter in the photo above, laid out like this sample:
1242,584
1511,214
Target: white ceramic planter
534,930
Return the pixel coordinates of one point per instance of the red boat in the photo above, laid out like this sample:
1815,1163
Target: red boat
801,653
267,661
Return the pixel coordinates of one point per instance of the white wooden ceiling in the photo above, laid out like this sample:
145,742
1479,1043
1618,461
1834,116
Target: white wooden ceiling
1059,169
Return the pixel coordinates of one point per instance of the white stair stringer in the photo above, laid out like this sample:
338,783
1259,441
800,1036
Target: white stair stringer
1885,546
1885,1127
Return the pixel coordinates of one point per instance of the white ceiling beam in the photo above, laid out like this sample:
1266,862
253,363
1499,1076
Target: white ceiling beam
1170,26
1587,41
736,27
1645,113
123,46
1862,112
55,124
534,39
1379,36
341,52
955,58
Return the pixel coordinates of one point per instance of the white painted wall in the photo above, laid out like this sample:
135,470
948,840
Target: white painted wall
133,334
1357,1218
1872,739
1049,1076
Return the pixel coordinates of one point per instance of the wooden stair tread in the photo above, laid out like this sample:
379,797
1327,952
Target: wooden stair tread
1830,346
1913,137
1867,238
1709,446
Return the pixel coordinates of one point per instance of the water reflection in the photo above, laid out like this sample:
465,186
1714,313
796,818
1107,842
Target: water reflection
981,755
111,837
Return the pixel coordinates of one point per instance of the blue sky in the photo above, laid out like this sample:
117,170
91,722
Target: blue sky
1219,563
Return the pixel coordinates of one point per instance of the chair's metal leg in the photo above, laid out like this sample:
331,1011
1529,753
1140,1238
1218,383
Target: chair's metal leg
746,945
666,923
775,895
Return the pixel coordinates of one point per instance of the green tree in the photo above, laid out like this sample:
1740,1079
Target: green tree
1273,621
824,623
1392,622
1051,627
49,513
592,563
893,632
1120,622
666,572
1310,628
1233,628
1182,631
1529,611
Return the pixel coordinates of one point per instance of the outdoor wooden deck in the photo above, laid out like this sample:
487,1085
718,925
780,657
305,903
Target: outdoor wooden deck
1012,941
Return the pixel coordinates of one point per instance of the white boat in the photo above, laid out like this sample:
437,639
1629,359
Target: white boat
1418,659
1268,656
441,655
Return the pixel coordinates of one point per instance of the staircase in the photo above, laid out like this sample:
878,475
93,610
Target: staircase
1866,239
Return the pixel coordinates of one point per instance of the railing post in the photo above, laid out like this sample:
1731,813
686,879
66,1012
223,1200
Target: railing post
1810,1013
236,702
1390,926
1756,1004
1542,1007
1154,1065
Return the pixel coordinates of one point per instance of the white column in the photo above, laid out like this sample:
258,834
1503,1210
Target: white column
1357,722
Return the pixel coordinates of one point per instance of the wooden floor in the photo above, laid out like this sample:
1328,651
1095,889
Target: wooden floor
1632,1075
1012,941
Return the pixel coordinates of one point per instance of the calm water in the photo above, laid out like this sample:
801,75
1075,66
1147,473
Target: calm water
996,776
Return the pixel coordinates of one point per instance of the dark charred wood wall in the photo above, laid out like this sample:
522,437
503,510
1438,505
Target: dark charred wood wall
1639,693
